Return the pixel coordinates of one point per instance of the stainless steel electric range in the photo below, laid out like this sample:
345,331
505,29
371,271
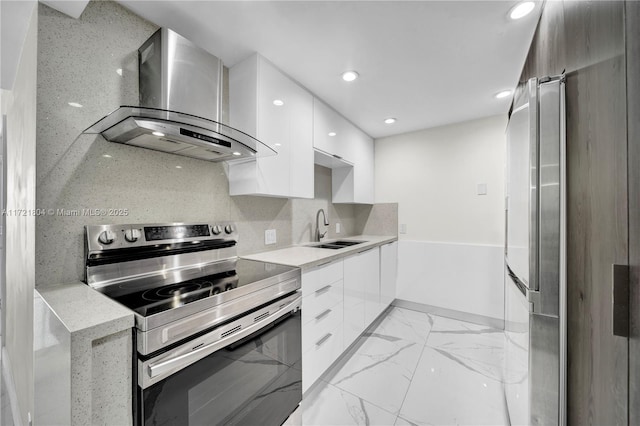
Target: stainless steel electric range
217,338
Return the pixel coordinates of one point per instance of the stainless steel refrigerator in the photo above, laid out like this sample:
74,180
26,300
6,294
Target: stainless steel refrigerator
535,260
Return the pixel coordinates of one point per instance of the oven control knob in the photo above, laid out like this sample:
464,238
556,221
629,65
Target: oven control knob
216,229
228,229
106,237
132,235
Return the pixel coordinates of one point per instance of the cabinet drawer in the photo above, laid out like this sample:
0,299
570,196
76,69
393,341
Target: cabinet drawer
320,276
319,325
321,300
317,358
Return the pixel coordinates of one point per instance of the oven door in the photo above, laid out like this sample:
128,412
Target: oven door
247,372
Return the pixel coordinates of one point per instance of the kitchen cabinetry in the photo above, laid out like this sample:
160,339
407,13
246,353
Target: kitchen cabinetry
340,300
334,136
388,273
331,131
361,293
355,184
322,317
274,109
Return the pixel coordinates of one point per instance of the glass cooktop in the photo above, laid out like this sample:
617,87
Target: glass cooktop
163,298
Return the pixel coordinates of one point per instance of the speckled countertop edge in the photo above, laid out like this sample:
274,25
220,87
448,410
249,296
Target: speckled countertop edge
306,257
83,310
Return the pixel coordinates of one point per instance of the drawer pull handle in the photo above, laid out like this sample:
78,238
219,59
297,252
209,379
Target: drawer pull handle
325,313
323,289
324,339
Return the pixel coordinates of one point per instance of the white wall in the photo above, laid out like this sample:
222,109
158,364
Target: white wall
451,254
20,160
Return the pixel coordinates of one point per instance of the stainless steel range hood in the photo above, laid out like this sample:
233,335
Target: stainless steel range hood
180,108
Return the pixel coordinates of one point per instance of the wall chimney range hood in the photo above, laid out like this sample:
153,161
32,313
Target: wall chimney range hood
181,92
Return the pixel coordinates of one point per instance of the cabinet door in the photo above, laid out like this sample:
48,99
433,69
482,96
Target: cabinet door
371,275
275,129
364,168
286,126
355,184
331,131
353,298
388,273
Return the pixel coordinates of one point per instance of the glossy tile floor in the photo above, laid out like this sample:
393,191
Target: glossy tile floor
414,369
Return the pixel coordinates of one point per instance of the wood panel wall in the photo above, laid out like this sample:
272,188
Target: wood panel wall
632,27
587,39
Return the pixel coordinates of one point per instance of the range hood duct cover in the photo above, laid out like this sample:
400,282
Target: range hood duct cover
180,108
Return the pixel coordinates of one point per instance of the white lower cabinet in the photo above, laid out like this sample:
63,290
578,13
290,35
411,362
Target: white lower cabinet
340,300
361,293
322,317
388,273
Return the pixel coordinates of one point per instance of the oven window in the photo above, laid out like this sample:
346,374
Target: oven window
257,381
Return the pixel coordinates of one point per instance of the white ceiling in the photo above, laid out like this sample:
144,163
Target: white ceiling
426,63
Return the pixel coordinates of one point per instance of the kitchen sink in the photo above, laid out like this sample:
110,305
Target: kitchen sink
335,245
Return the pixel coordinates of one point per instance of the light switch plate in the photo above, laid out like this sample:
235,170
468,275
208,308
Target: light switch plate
482,189
338,227
270,236
403,228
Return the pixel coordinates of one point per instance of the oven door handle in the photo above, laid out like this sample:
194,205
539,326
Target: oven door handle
177,363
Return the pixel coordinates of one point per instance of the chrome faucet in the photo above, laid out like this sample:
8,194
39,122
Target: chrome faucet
326,223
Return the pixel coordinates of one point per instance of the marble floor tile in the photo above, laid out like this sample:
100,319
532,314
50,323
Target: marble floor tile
406,324
475,347
329,405
445,392
380,370
403,422
295,419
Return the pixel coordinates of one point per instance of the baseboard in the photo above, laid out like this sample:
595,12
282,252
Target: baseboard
450,313
11,387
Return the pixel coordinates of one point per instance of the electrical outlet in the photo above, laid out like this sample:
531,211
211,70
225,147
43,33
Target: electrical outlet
270,236
403,228
337,227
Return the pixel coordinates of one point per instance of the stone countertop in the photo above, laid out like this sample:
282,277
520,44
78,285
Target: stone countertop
86,311
306,257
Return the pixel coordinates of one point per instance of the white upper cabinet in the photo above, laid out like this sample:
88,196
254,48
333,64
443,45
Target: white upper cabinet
274,109
331,132
338,138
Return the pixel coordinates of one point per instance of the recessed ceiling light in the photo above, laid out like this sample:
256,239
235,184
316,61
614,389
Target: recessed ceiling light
278,102
522,9
178,167
106,155
75,104
119,72
236,153
389,120
277,144
332,134
503,94
158,134
349,75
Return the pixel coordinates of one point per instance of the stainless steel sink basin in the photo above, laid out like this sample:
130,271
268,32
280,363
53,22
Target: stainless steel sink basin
335,245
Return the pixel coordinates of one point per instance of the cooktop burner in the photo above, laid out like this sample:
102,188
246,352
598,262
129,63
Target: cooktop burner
159,299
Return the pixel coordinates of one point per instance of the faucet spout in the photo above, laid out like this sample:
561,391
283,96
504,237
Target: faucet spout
320,235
